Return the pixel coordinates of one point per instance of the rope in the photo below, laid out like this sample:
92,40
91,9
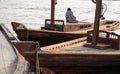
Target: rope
105,8
37,59
26,33
94,1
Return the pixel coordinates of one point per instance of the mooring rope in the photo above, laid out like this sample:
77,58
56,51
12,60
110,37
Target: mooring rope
27,33
37,59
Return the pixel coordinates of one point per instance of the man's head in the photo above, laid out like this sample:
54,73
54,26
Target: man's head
69,9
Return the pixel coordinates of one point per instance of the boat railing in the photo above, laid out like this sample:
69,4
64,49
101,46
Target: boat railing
113,26
105,37
59,24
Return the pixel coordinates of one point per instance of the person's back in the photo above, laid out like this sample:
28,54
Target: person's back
69,16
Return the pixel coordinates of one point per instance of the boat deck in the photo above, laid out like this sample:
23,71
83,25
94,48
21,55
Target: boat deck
8,58
79,49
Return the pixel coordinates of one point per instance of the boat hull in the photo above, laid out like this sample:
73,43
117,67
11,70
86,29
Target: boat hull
72,62
65,60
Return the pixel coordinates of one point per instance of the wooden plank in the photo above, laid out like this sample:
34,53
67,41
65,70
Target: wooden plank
63,44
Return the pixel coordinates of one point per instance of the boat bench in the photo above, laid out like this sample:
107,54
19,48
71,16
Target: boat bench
59,24
106,39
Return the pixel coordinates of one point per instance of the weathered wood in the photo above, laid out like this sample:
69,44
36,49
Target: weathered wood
96,22
63,44
113,26
47,37
76,55
68,27
105,38
73,56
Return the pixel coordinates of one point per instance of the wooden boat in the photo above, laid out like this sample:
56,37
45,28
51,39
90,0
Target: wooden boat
97,55
57,31
48,37
72,59
57,59
44,37
11,61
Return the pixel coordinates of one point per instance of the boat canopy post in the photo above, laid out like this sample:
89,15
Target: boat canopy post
96,22
95,32
52,13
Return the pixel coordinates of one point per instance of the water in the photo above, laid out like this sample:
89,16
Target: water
33,13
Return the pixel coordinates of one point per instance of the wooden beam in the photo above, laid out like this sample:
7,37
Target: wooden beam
52,13
96,22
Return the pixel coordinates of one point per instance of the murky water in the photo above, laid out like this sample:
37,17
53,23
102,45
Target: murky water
33,12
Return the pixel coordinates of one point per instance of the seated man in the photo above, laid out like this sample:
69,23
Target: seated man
70,17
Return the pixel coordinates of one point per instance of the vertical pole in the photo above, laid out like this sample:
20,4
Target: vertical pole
96,22
52,13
